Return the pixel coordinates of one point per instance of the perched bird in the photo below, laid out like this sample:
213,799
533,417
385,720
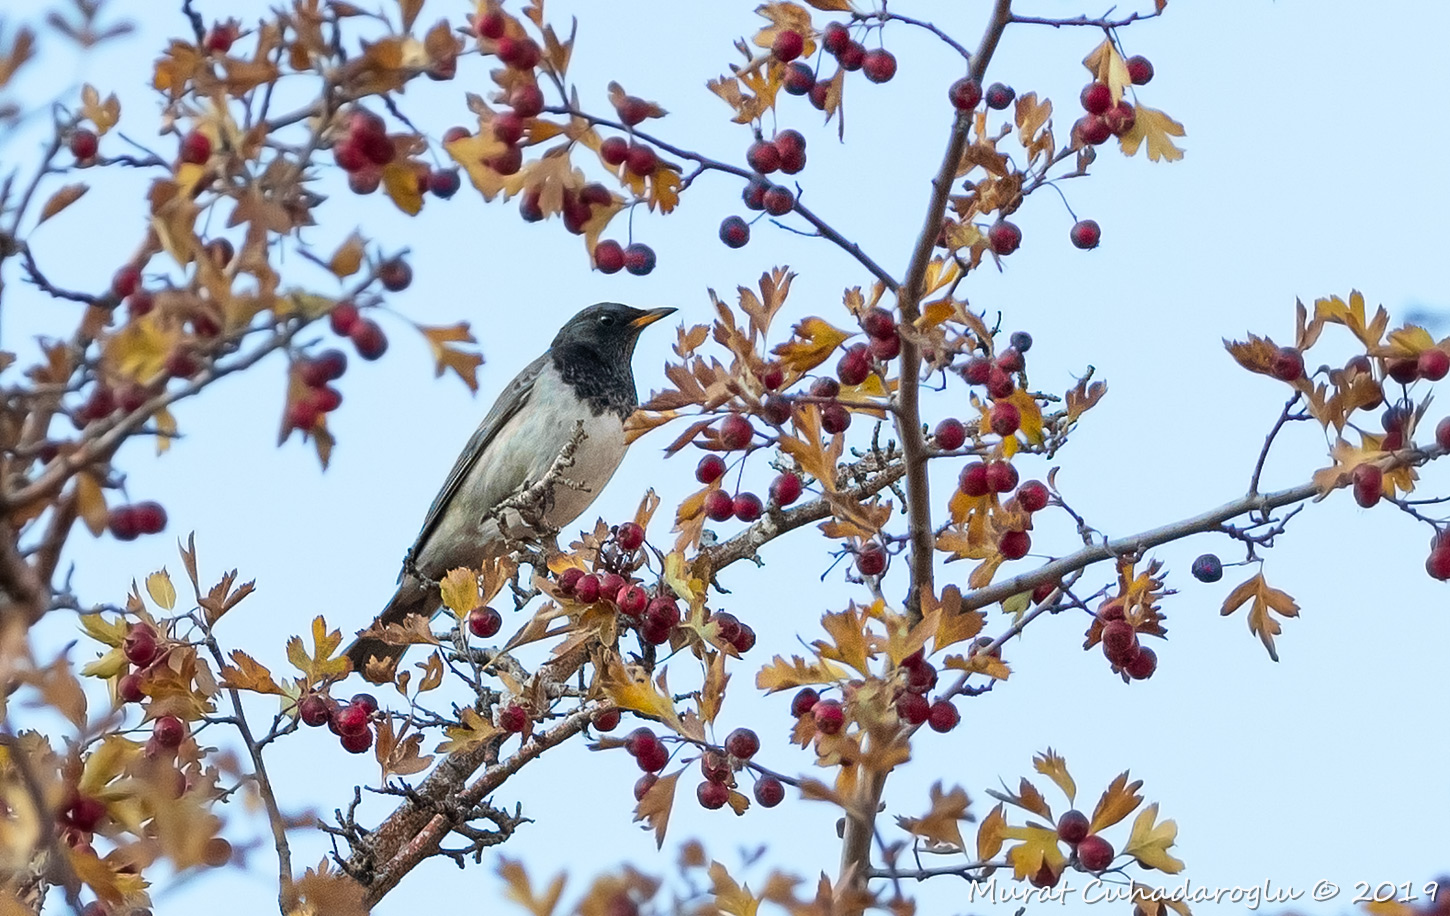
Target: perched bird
585,376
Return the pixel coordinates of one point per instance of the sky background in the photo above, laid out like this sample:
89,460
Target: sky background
1314,166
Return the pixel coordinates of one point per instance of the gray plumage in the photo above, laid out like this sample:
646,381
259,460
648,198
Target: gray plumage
584,377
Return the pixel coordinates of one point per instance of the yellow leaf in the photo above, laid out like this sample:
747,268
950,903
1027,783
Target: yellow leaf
159,586
91,503
459,590
246,673
1107,66
1055,768
348,257
1149,843
520,890
730,896
401,183
1266,602
165,430
630,688
941,826
61,199
102,114
784,675
1117,802
813,343
1038,848
991,834
472,730
463,362
1156,127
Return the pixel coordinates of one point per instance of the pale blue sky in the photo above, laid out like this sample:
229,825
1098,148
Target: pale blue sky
1313,166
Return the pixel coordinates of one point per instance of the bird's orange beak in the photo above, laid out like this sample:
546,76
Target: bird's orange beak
650,317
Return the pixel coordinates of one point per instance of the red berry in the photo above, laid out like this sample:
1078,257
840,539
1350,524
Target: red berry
329,365
130,688
999,96
735,432
742,743
610,584
1141,666
1044,591
491,25
878,322
879,65
643,785
455,133
369,339
220,36
513,718
769,791
140,303
978,370
710,469
1001,477
632,109
569,579
1434,364
395,275
1072,827
973,481
606,720
639,259
631,600
508,128
1092,129
853,56
1096,98
712,795
835,419
652,755
1086,234
835,38
609,256
1015,544
126,281
507,162
777,409
587,589
314,710
829,716
1111,610
943,716
614,151
825,387
1095,853
754,194
630,536
820,94
1032,496
788,45
1120,118
804,701
913,708
734,231
799,79
84,144
484,622
1367,481
1005,418
195,148
885,349
1438,563
140,646
744,640
1403,371
871,560
950,435
150,517
747,507
527,100
364,701
855,365
719,506
791,146
1442,434
358,742
169,732
350,719
182,364
1004,237
1140,70
519,53
785,489
1120,642
83,813
778,201
343,317
641,160
965,93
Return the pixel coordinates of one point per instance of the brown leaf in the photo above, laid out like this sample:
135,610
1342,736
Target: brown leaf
654,807
1267,601
464,362
61,199
1116,803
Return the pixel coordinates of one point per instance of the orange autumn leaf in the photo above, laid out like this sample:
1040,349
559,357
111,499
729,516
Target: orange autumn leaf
1266,602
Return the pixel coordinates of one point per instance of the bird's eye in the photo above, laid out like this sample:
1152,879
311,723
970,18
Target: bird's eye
606,319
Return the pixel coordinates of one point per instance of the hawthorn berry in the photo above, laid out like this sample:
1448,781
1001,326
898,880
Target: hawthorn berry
1207,568
513,718
369,339
785,489
358,742
1095,853
1120,118
950,434
763,156
630,536
631,600
1001,477
220,36
1032,496
973,481
1288,364
885,349
710,469
804,701
126,281
712,795
1086,234
587,589
609,256
518,53
829,716
195,148
529,209
788,45
736,432
719,506
1096,98
835,419
734,232
1366,481
1437,564
527,100
965,93
1442,433
1004,237
977,370
1072,827
644,784
1015,544
853,56
943,716
314,710
395,275
1092,129
84,144
791,145
140,303
484,621
871,560
913,708
632,109
130,688
1140,70
1021,341
748,507
150,517
742,743
854,365
1141,666
879,65
825,387
835,37
639,259
491,25
169,732
778,201
820,94
799,78
999,96
641,160
776,409
614,151
1433,365
1005,418
769,791
744,639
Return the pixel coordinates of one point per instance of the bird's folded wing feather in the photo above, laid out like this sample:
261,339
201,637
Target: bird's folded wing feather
509,403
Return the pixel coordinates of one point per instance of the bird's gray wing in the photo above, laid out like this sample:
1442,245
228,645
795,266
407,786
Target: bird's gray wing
509,403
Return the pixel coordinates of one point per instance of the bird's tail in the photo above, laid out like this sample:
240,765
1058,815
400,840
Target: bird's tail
377,660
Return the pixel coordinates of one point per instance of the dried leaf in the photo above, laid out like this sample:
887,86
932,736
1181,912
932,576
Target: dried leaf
61,199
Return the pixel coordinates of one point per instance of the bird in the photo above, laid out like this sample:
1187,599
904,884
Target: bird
584,381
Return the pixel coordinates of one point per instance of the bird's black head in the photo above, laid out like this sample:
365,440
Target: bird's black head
593,352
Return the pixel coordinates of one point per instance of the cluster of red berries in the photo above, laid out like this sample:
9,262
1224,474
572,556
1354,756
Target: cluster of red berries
1093,852
762,194
352,722
142,649
1431,365
105,400
746,506
1120,643
127,523
654,618
366,335
321,398
1105,118
912,705
637,258
878,65
366,147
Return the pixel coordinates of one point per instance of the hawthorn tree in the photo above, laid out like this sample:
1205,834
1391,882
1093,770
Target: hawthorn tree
902,426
